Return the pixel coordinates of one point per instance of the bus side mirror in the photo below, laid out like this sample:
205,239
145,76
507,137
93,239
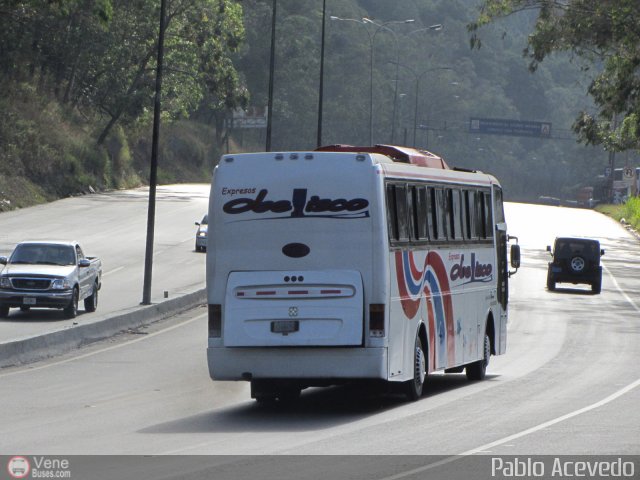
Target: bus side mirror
601,252
515,256
549,248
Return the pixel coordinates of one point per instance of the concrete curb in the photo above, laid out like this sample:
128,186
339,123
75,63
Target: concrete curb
30,350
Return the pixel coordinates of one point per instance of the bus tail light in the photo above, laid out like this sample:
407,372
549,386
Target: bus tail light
376,320
215,320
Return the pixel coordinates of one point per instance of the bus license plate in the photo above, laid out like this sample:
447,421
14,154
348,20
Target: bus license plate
285,326
29,301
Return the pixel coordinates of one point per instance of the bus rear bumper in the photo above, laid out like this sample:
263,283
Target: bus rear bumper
297,363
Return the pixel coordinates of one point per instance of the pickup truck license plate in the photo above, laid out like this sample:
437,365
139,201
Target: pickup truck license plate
285,326
29,301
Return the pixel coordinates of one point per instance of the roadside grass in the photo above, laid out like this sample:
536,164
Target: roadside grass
630,211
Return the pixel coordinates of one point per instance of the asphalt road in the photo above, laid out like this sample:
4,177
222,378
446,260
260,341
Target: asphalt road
568,385
113,227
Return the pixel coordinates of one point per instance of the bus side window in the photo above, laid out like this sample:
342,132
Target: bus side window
470,203
402,213
392,219
442,213
456,214
488,215
498,205
479,214
419,197
432,213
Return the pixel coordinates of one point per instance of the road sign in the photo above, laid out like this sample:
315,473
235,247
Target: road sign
628,173
252,117
500,126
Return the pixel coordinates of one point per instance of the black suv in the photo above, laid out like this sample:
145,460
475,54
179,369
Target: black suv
575,260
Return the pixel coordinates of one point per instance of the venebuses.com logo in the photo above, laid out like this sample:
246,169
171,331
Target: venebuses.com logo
18,467
38,467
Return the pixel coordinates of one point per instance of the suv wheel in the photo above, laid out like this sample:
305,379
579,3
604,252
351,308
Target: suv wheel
577,264
596,286
551,284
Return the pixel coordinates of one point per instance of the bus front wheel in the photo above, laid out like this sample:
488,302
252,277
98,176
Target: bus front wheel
478,370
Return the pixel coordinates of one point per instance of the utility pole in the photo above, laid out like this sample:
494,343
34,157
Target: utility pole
612,163
153,175
272,62
320,95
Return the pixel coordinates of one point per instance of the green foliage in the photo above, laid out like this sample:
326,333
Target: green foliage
604,33
631,212
78,86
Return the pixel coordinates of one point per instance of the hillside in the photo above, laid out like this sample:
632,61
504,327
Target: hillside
78,91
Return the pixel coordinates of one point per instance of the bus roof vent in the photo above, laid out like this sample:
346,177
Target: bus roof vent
468,170
397,154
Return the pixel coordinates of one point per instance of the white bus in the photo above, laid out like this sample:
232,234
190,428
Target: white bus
350,263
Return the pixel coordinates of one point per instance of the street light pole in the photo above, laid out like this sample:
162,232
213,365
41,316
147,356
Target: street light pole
272,61
384,26
415,113
320,95
418,77
361,22
153,174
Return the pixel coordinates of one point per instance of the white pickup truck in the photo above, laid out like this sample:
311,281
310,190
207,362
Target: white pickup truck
49,275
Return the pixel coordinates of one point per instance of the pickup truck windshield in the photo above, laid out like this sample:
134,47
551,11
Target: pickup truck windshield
42,254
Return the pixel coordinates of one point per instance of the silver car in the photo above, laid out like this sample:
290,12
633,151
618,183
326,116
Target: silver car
201,235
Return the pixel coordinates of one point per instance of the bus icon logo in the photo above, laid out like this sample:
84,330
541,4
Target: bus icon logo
18,467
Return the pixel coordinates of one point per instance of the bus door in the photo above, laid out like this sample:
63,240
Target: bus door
503,266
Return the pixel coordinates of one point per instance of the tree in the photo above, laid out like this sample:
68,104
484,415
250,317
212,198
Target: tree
603,33
201,35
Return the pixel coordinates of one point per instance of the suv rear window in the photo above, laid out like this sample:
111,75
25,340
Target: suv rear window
568,248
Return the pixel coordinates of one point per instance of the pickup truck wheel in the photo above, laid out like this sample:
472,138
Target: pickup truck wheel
91,302
72,310
4,311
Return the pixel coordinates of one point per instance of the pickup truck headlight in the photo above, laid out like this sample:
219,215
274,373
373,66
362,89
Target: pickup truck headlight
61,284
202,234
5,282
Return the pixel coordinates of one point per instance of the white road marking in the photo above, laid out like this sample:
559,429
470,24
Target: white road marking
486,448
112,271
622,292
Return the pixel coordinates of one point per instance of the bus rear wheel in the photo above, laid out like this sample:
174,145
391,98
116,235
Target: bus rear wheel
414,388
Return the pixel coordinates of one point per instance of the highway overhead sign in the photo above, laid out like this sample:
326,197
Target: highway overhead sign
501,126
